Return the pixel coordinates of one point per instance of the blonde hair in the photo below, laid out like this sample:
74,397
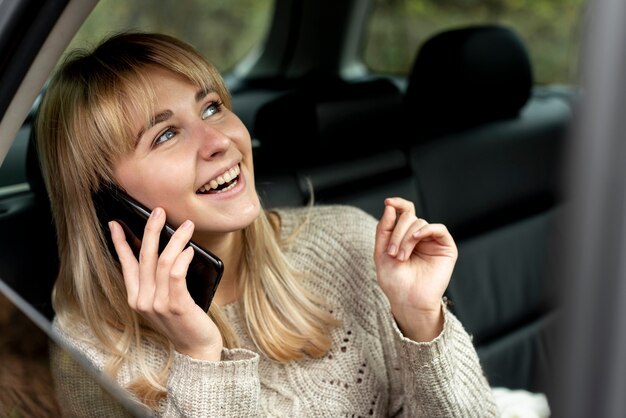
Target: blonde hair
82,127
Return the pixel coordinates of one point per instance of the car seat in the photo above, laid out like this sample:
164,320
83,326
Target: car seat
341,140
28,254
487,156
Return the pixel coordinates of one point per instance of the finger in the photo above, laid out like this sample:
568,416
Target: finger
177,243
405,225
167,259
130,267
438,233
179,293
410,239
427,240
400,204
384,229
405,213
131,238
148,258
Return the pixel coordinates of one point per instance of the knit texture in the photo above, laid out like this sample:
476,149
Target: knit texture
371,370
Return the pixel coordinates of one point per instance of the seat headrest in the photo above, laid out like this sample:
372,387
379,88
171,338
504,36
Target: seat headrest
337,121
467,76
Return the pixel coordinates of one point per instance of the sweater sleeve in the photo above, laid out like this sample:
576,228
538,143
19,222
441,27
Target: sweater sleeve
78,394
195,388
227,388
443,378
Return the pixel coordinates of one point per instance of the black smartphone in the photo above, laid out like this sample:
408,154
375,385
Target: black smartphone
205,270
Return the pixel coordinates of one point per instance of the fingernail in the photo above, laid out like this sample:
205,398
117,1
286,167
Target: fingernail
187,224
401,255
111,226
392,249
156,212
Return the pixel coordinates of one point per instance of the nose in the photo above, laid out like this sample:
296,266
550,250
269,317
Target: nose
212,141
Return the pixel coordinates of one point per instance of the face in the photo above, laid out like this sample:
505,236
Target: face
194,160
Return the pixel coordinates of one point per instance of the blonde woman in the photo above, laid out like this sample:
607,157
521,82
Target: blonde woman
321,311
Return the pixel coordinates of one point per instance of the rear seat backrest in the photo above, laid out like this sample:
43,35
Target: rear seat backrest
340,138
327,119
488,166
489,175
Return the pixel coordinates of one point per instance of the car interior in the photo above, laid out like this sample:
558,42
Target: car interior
467,134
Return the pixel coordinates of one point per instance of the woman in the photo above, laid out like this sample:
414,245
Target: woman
305,322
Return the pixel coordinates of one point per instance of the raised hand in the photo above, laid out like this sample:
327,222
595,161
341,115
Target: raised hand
414,263
156,288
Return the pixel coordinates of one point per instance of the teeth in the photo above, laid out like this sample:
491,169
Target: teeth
221,179
229,187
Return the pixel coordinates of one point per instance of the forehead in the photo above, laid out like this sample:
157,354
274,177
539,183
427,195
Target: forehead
161,79
165,92
165,85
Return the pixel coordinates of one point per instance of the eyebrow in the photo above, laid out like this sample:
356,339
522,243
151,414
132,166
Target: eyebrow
166,114
202,93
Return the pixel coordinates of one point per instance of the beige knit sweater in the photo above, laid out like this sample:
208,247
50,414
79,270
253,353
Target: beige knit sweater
370,371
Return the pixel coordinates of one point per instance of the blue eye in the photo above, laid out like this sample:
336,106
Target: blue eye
211,109
165,136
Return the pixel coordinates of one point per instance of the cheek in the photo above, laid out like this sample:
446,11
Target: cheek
152,184
239,134
124,174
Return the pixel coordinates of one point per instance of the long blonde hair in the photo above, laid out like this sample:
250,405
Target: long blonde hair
82,127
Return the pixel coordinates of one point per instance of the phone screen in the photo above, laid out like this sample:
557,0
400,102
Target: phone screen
205,270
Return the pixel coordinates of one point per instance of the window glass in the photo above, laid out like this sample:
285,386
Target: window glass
224,31
550,29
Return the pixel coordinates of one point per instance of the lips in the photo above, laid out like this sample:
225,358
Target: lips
222,183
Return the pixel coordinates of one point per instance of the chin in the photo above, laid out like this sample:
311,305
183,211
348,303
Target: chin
241,218
250,213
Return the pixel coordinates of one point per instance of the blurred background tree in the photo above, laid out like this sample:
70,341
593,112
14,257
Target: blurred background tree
222,30
550,28
227,30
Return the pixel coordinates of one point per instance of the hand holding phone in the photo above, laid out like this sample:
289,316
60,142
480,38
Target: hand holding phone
205,270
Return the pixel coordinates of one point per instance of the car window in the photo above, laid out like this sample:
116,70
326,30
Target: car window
550,29
223,31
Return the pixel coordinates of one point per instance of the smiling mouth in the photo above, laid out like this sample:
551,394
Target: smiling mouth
222,183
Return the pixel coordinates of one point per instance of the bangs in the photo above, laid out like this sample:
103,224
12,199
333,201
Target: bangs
108,96
134,98
133,107
121,111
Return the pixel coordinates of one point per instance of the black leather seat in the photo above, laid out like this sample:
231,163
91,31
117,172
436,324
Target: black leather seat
28,254
339,139
487,160
466,77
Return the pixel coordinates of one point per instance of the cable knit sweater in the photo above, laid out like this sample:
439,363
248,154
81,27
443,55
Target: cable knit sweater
372,370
